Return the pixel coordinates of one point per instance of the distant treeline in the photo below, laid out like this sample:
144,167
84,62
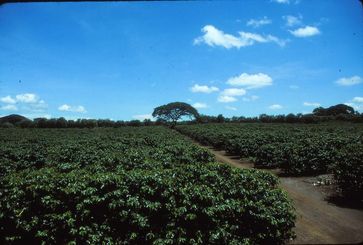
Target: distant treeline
79,123
333,113
289,118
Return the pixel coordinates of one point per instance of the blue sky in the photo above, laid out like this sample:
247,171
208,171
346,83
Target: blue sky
120,60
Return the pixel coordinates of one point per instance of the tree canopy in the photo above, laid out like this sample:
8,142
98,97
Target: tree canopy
334,110
174,111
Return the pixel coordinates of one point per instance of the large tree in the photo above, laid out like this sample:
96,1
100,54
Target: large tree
334,110
174,111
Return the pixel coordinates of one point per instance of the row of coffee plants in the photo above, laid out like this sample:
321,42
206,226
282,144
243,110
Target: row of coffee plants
145,185
296,149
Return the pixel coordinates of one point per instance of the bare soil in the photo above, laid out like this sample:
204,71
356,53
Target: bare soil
318,220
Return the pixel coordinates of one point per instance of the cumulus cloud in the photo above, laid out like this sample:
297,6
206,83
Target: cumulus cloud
24,102
199,105
234,92
349,81
275,107
292,20
79,108
356,106
32,115
203,89
9,107
358,99
214,37
229,94
39,105
8,100
257,23
314,104
64,107
251,98
356,103
251,81
306,31
142,117
231,108
278,41
21,98
281,1
226,99
286,1
27,98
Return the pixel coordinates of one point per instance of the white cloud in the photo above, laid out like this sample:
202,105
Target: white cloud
275,107
214,37
257,23
286,1
349,81
356,106
356,103
251,98
37,115
306,31
278,41
203,89
254,97
39,105
294,87
231,108
25,102
27,98
79,108
8,100
9,108
234,92
199,105
251,81
292,20
314,104
64,107
226,99
250,38
358,99
228,95
142,117
281,1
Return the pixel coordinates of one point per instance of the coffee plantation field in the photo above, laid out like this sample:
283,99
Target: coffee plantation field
298,149
144,185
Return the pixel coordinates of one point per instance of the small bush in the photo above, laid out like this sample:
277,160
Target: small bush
348,172
189,204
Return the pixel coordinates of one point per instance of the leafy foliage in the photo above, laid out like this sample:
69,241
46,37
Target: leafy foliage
334,110
296,149
172,112
349,172
131,186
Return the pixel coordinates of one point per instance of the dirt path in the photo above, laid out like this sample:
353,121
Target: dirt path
318,222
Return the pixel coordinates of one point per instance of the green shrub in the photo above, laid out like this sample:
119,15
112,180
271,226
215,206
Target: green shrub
296,149
131,186
348,172
189,204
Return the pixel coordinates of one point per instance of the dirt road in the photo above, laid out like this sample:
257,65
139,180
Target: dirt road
318,221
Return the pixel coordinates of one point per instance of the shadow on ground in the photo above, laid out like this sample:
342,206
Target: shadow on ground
344,202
